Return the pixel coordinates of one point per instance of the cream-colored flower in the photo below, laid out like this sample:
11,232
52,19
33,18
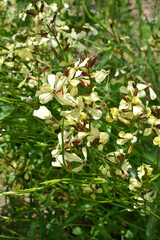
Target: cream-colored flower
79,106
105,170
96,137
125,137
156,140
124,170
100,75
134,184
75,38
70,157
92,190
114,157
144,170
87,26
24,14
52,88
150,196
43,113
142,87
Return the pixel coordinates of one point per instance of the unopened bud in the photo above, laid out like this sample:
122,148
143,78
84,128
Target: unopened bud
120,158
84,84
44,69
54,17
92,62
110,23
54,31
83,56
95,142
31,13
84,73
43,34
66,48
18,64
32,77
101,107
66,72
35,5
55,52
130,148
42,7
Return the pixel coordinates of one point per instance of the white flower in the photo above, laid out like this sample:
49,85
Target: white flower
43,113
150,196
24,14
143,87
52,88
123,171
68,157
100,75
87,26
125,137
144,169
134,183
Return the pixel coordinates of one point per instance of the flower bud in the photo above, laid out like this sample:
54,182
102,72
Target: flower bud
35,5
55,52
84,84
54,17
31,13
44,69
42,7
54,31
92,62
83,56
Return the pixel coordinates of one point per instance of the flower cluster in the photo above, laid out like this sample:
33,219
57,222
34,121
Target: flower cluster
46,65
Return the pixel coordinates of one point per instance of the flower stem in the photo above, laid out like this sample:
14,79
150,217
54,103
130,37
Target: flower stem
158,156
62,135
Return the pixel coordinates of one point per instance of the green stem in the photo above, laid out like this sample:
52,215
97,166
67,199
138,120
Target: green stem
94,19
62,136
158,156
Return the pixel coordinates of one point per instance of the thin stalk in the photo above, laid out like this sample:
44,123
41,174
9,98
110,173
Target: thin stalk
62,137
139,5
158,156
95,20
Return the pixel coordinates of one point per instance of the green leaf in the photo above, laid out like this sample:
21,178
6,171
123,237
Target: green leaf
155,177
151,228
33,231
6,112
77,231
